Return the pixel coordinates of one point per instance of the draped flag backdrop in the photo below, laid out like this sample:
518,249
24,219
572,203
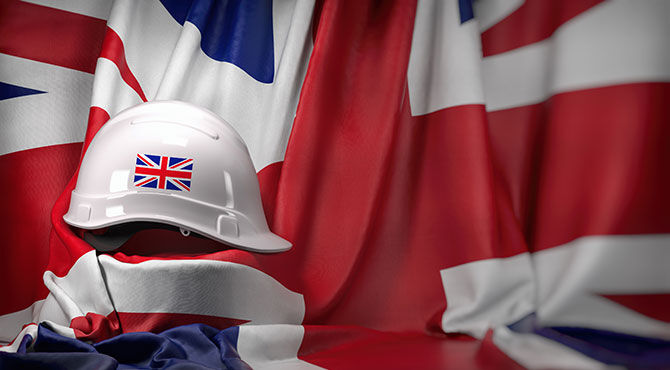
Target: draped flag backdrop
466,184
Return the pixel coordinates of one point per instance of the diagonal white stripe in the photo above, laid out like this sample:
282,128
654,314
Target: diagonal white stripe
445,59
490,12
110,92
169,64
80,291
14,346
615,42
571,277
58,116
535,352
562,285
92,8
487,293
11,323
201,287
272,347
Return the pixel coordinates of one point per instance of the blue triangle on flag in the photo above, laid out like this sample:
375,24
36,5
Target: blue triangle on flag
8,91
171,186
155,158
152,184
174,160
234,31
465,8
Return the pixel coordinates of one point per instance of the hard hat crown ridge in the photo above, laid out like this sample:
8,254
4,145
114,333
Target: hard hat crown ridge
174,163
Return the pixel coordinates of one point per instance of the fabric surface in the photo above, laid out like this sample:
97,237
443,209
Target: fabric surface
187,347
442,168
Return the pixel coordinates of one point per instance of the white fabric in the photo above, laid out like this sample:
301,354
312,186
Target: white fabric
11,323
446,68
30,329
169,64
631,47
67,95
272,346
571,278
490,12
79,292
110,91
202,287
444,62
535,352
92,8
563,285
487,293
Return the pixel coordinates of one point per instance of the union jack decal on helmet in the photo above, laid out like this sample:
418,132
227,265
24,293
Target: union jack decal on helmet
163,172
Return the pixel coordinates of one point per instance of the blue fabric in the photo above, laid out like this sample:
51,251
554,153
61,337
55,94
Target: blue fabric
466,11
234,31
8,91
612,348
194,346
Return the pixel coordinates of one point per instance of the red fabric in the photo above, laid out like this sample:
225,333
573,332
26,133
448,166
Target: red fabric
533,21
652,305
587,150
417,189
50,35
268,179
112,49
347,347
334,181
606,159
94,327
25,221
59,38
156,322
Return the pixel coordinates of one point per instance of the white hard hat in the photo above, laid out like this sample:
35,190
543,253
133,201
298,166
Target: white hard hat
173,163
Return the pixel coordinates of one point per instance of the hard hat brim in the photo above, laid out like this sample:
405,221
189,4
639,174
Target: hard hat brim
91,212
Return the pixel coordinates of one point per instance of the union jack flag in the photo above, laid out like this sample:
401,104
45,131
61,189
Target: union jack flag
163,172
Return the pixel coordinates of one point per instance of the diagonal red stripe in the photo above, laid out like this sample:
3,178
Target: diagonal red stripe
157,322
142,159
182,184
534,21
50,35
112,49
652,305
150,179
